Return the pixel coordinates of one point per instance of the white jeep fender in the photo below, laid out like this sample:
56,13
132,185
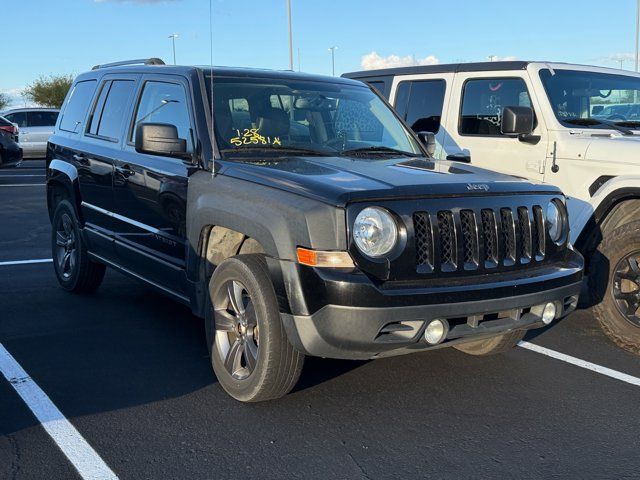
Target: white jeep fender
596,208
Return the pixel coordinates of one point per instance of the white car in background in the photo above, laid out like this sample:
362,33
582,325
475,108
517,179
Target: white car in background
36,126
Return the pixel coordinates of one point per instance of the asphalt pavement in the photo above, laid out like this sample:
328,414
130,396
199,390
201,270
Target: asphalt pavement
128,368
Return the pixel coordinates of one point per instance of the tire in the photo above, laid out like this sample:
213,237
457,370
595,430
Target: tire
250,352
75,271
614,271
493,345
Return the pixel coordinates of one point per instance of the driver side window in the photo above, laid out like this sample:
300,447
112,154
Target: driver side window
483,101
163,102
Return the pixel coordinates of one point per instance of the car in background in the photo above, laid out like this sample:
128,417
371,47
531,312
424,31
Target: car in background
10,151
36,126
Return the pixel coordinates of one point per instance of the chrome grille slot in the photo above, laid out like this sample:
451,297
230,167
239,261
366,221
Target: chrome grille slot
469,239
490,238
424,242
508,236
448,247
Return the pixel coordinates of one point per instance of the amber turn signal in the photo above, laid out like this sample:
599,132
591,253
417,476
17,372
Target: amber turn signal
324,259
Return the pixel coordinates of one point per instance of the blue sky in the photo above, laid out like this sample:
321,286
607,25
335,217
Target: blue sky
69,36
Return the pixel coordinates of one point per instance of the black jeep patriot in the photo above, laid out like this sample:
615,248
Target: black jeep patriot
298,215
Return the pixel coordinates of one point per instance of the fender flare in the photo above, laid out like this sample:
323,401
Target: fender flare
611,194
64,174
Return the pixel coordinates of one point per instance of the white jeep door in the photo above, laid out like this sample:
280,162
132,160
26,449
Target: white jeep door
474,119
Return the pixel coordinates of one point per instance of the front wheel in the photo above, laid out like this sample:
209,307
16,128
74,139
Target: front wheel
76,272
614,281
250,352
492,346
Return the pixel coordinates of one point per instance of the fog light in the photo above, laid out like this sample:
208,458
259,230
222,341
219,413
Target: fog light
549,313
436,331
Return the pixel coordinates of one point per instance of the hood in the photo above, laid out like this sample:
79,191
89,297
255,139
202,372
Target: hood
616,147
341,180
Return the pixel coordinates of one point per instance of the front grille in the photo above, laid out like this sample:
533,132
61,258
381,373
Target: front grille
485,239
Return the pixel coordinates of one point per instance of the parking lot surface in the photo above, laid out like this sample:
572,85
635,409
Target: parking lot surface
129,369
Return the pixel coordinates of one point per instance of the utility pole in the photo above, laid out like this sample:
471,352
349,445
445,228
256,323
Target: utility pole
493,57
173,37
291,36
299,61
333,59
637,31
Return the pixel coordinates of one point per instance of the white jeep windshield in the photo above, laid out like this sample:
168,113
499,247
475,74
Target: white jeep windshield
281,116
593,99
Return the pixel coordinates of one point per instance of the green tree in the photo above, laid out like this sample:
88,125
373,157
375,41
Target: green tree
49,91
4,101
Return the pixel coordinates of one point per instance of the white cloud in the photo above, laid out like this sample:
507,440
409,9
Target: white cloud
625,57
15,97
373,61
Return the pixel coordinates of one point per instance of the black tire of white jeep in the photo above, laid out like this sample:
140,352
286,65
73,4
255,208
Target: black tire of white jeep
250,352
614,271
75,271
492,346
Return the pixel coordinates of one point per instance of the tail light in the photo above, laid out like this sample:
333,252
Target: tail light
12,129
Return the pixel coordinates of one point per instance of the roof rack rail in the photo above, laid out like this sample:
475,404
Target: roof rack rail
140,61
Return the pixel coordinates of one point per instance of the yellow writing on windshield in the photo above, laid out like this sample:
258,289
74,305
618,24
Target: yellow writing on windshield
251,136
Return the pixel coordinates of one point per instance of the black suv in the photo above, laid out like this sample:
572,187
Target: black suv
298,215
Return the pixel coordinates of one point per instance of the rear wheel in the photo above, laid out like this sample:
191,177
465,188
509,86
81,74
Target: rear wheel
76,272
250,352
493,345
614,282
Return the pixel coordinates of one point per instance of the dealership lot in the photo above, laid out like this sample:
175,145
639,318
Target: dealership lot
128,368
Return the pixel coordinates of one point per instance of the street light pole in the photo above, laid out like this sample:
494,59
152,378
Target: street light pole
637,31
173,37
333,59
291,36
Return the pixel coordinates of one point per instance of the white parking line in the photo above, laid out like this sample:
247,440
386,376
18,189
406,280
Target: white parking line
26,262
623,377
84,458
28,175
24,185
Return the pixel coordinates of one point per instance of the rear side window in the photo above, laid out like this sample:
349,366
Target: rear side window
111,109
42,118
19,118
77,106
483,101
420,104
163,102
378,86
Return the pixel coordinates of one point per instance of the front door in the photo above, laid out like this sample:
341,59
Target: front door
150,191
40,125
474,120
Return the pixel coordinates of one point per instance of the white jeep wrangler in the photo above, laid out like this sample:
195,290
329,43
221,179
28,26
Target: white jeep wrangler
574,126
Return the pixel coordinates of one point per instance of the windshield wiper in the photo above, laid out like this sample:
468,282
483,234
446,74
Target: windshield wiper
282,150
589,122
378,149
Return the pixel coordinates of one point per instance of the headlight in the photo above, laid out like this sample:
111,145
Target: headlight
556,222
375,232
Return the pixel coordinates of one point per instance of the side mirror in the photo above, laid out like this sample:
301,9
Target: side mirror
517,121
160,139
428,139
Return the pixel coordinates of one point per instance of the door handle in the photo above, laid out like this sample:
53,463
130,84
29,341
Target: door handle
81,158
125,171
460,157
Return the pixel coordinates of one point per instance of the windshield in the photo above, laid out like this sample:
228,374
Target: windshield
593,100
292,117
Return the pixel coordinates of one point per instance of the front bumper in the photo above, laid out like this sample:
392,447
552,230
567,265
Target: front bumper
363,321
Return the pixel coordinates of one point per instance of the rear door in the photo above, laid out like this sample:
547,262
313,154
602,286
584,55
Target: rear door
40,125
420,101
96,155
150,191
20,119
